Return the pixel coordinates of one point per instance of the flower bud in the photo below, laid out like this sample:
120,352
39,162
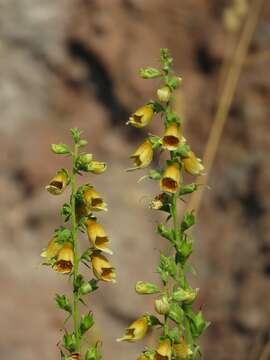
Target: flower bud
142,117
144,288
187,296
162,306
164,93
52,249
97,236
93,200
102,268
65,259
171,178
182,350
192,164
97,167
143,156
58,183
136,331
164,351
172,137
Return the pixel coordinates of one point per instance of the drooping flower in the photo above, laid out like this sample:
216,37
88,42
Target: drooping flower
172,137
52,249
97,236
164,350
93,200
192,164
65,259
143,156
102,268
136,331
142,117
58,183
182,350
171,178
97,167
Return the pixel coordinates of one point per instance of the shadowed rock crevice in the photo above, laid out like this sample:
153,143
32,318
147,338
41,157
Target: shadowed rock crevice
98,77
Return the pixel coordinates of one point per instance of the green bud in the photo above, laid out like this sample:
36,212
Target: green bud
174,82
187,296
63,303
76,135
89,287
82,143
87,322
187,189
61,149
69,341
162,306
164,94
150,73
188,221
145,288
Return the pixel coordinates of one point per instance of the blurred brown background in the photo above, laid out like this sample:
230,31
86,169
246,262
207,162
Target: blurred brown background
75,63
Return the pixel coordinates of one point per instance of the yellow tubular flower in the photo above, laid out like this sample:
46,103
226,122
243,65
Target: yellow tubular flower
182,350
164,351
97,236
142,357
192,164
171,178
157,202
97,167
93,200
143,156
172,137
102,268
65,259
136,331
52,250
142,117
164,93
58,183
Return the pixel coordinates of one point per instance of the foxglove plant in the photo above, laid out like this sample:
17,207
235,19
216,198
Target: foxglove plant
179,323
63,252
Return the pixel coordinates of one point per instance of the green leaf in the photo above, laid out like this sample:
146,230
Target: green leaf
63,235
63,356
167,267
63,303
76,135
155,141
78,282
176,313
93,353
166,59
157,106
69,341
174,334
87,321
82,143
172,117
197,323
150,73
165,232
188,221
153,320
61,149
182,150
66,211
187,189
174,82
154,174
87,255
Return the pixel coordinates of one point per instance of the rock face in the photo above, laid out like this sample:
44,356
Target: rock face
67,63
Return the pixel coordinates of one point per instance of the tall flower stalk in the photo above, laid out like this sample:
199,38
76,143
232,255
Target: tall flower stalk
179,324
63,251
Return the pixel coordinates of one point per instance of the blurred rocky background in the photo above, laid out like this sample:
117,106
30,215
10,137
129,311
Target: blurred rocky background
75,63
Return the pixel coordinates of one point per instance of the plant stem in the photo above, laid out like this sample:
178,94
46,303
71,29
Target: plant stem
175,217
75,248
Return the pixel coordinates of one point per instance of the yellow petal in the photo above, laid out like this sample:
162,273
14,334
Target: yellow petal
170,179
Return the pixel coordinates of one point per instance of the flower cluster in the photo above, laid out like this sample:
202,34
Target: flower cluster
180,324
63,254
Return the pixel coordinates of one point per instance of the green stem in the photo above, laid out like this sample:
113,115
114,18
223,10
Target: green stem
75,247
175,217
